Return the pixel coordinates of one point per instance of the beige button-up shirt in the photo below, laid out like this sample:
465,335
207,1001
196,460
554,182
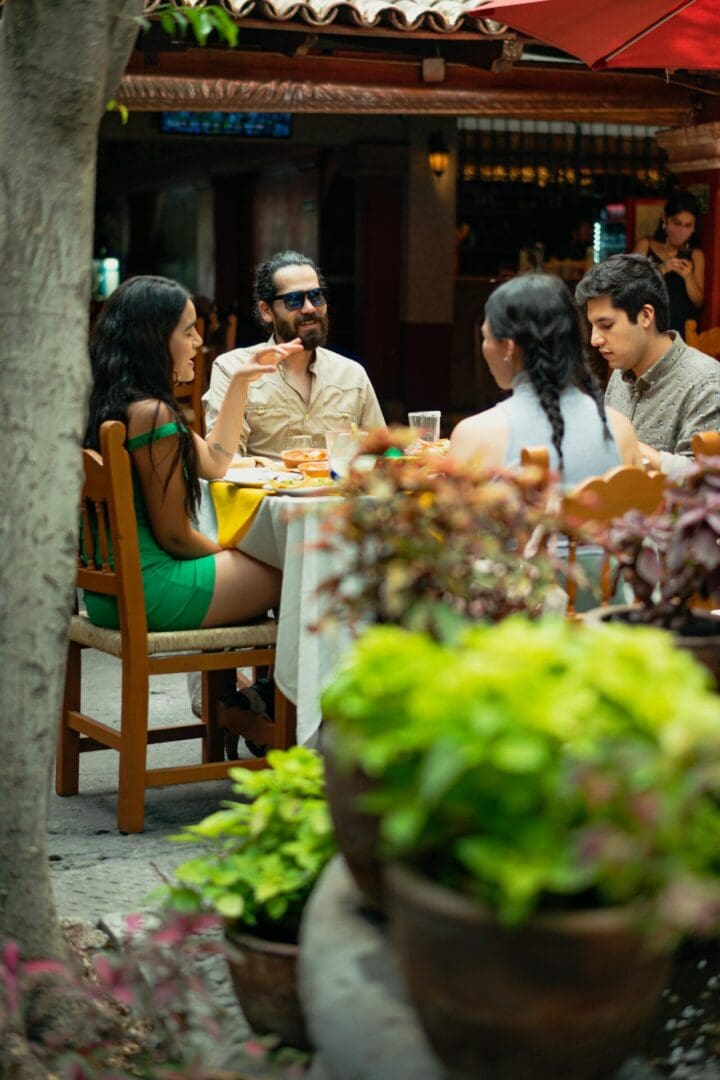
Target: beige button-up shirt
678,396
341,394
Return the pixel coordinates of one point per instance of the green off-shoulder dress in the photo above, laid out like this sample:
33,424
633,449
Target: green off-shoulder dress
177,591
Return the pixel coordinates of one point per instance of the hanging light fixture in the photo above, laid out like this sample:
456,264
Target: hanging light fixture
438,154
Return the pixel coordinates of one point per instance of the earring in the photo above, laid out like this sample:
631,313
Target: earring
663,229
176,381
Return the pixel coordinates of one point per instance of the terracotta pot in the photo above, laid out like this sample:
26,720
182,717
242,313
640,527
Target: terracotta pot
704,645
567,995
264,977
357,832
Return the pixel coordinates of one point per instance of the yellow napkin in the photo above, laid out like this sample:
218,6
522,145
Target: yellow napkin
235,508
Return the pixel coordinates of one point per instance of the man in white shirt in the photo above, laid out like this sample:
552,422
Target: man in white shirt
311,392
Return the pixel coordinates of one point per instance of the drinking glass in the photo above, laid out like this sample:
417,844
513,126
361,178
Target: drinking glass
342,447
299,442
425,425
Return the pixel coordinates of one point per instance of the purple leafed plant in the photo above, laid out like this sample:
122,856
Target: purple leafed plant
142,1009
671,559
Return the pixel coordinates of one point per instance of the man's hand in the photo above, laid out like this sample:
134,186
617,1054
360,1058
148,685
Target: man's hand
650,456
265,360
270,357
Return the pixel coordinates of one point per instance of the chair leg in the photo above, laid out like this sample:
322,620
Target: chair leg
215,686
133,747
67,761
285,721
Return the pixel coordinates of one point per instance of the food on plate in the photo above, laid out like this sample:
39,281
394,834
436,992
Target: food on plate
306,482
438,446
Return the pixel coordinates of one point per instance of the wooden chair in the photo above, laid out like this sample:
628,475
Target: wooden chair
188,395
706,442
231,333
707,341
108,524
536,455
602,498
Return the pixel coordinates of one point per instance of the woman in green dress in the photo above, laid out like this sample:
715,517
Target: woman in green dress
143,344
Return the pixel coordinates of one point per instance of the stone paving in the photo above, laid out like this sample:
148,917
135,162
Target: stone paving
99,875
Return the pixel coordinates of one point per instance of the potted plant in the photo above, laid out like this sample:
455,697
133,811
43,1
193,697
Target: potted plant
549,803
261,858
431,549
671,562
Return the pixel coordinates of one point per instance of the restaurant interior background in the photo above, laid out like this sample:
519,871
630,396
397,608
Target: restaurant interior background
203,197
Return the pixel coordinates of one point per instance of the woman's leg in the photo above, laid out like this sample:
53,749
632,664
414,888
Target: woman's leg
244,589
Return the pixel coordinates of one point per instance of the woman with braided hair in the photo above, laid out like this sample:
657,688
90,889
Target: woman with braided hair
533,344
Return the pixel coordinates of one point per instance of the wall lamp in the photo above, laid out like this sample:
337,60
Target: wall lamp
438,154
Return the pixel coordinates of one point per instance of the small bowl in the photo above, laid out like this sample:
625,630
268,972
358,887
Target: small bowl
314,469
293,458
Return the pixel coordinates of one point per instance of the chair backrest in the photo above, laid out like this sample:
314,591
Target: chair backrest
189,394
707,341
109,557
599,500
536,455
706,442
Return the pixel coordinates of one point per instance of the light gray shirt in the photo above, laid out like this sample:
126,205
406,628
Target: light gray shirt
677,397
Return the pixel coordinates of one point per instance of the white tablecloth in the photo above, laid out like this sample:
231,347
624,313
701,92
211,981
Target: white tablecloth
283,534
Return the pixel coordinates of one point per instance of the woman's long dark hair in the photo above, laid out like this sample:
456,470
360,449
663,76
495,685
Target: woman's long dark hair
537,312
131,361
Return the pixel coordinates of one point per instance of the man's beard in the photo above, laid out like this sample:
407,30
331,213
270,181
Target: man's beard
311,338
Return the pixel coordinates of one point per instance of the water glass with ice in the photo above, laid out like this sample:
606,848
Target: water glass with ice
342,447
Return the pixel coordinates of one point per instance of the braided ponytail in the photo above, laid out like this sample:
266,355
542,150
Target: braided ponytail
537,312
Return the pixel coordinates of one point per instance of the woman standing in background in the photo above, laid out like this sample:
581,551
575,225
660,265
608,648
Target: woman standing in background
674,251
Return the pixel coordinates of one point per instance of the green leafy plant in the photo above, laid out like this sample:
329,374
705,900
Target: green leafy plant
671,559
432,547
203,21
262,854
542,765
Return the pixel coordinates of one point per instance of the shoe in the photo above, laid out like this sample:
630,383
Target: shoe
258,699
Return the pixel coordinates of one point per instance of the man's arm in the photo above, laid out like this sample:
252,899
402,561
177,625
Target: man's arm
220,376
371,414
702,413
213,397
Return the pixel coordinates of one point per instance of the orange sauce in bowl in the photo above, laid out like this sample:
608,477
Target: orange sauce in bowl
314,468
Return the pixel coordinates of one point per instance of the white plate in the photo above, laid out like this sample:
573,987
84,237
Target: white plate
257,477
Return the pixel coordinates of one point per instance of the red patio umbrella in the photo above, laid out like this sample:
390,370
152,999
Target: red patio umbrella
620,33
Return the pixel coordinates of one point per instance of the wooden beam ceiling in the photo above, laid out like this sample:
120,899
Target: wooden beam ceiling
390,82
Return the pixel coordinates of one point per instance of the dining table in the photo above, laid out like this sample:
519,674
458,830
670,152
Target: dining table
288,533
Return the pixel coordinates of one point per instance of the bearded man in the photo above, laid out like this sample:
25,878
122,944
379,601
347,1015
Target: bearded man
310,392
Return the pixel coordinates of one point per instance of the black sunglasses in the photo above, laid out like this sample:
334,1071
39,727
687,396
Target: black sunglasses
293,301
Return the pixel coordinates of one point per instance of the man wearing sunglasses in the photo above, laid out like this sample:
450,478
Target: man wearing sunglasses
310,391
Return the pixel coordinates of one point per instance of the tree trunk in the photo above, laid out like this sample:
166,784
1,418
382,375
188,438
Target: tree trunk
60,61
